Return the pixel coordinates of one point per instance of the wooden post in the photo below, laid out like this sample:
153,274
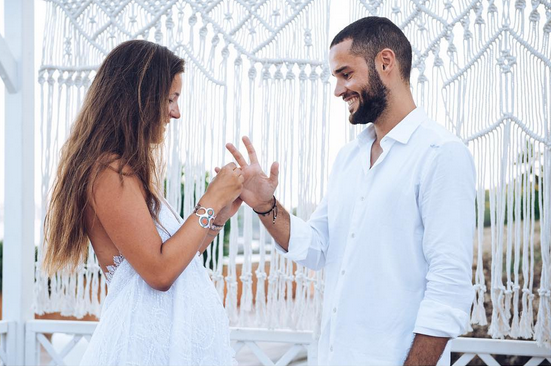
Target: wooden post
19,246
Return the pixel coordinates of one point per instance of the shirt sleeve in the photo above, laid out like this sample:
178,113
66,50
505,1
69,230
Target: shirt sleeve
309,240
447,206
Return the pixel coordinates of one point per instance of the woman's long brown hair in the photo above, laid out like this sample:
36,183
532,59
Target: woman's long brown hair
120,119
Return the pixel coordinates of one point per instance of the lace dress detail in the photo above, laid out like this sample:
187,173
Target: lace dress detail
186,325
117,260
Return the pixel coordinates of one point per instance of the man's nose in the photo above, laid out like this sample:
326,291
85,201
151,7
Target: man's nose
339,89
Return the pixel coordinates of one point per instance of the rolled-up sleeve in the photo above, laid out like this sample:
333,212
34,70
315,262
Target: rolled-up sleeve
447,205
309,240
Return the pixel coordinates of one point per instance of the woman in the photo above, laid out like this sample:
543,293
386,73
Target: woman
161,306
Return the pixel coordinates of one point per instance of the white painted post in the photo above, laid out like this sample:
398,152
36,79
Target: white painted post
313,352
18,258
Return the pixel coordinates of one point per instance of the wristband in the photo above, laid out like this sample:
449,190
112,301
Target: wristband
273,209
215,227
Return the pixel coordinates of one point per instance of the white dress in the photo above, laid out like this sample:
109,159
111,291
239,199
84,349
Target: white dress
186,325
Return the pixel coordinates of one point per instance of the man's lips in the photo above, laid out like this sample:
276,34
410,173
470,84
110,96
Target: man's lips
351,101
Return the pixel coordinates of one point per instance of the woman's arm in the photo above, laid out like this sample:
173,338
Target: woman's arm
123,212
225,214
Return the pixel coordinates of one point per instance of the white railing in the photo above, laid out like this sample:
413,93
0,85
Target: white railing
6,343
485,348
62,342
285,346
39,334
299,345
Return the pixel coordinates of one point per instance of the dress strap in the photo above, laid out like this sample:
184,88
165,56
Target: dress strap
178,218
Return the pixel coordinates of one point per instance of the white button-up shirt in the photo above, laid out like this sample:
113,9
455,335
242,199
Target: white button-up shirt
395,241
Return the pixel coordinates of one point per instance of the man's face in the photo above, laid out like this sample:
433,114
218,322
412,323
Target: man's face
358,84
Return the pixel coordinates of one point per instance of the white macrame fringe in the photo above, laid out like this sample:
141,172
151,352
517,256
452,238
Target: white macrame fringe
260,64
484,58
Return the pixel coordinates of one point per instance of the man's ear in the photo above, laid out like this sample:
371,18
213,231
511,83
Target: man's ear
387,60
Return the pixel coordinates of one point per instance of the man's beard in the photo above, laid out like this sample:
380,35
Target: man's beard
372,102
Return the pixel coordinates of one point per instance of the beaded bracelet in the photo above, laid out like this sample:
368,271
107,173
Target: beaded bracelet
215,227
274,209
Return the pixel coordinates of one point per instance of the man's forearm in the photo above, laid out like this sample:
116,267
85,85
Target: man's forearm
425,350
211,235
280,230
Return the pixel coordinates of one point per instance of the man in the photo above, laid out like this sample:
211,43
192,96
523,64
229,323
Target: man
394,231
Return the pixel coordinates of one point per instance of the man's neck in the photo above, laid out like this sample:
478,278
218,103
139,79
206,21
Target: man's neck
399,106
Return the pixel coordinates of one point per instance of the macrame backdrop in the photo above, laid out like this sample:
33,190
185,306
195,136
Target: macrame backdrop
252,67
483,68
260,68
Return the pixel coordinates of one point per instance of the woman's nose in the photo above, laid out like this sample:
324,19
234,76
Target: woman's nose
175,112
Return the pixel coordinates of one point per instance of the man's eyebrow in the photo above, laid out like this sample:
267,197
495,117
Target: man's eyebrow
339,70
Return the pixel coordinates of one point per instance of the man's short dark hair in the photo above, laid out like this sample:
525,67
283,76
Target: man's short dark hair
371,35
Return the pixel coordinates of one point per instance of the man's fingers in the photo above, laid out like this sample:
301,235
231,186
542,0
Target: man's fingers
236,154
274,172
250,150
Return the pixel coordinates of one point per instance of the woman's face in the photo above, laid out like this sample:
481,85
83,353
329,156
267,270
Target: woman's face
174,94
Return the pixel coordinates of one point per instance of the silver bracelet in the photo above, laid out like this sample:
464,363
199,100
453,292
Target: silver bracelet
206,216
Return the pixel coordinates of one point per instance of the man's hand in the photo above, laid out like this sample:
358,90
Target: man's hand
228,211
258,188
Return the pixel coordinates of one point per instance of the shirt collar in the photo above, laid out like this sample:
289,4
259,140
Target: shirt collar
405,128
401,132
367,136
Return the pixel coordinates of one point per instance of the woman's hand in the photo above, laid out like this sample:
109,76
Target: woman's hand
225,188
228,211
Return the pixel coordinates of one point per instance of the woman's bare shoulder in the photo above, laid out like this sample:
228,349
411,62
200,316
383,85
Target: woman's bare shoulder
111,177
114,163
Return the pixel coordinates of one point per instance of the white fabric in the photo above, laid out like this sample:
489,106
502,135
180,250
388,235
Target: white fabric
186,325
396,242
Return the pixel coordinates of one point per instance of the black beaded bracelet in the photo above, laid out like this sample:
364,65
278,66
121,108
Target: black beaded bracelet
274,209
